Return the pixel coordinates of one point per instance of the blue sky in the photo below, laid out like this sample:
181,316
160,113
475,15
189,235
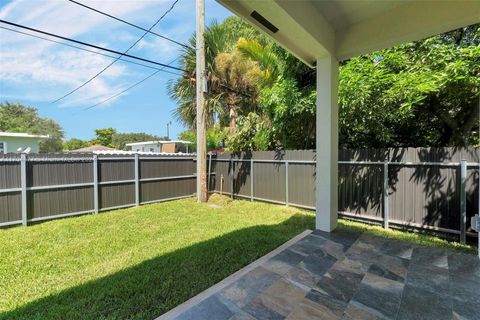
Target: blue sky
35,72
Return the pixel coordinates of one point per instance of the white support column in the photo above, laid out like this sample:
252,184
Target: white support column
327,144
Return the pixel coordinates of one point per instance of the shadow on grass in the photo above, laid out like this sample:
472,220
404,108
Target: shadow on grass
153,287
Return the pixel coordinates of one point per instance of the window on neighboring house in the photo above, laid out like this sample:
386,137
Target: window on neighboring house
151,150
3,147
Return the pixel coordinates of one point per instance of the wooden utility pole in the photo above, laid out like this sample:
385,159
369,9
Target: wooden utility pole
201,116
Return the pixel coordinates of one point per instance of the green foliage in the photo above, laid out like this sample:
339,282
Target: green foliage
15,117
418,94
104,137
215,138
74,144
253,133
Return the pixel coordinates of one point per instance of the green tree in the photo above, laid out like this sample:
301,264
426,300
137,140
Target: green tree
216,136
75,143
15,117
104,137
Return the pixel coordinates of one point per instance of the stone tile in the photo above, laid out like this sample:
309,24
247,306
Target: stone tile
209,309
357,266
429,278
249,286
464,265
401,249
465,288
302,277
282,296
308,244
389,267
363,251
259,311
346,238
465,310
430,256
334,249
339,284
330,307
380,294
318,263
422,304
308,310
358,311
241,316
283,262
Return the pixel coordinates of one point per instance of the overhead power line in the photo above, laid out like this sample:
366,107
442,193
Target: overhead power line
91,51
126,89
129,23
114,61
90,45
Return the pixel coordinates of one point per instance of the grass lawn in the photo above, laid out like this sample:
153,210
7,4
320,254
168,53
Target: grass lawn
135,263
138,263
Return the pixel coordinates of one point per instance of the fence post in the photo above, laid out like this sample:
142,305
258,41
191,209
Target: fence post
251,179
286,182
463,201
385,195
232,172
209,171
95,183
137,180
23,179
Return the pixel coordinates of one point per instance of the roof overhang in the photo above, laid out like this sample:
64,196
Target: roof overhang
23,135
344,28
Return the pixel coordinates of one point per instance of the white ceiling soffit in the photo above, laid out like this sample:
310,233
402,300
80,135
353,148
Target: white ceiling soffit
346,28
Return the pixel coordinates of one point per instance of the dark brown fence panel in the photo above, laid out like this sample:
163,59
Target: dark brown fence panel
9,175
116,170
10,207
59,172
53,202
269,181
360,189
241,178
419,194
166,168
116,195
166,189
301,184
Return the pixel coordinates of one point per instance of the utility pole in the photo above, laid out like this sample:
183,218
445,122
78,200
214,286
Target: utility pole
168,130
201,117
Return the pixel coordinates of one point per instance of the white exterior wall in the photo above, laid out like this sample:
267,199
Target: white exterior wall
154,147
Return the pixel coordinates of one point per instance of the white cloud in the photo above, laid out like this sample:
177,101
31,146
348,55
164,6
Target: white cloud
45,71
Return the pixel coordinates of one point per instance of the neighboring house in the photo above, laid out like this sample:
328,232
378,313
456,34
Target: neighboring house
20,142
164,146
92,149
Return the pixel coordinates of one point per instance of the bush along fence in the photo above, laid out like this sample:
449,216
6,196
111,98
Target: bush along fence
434,188
41,187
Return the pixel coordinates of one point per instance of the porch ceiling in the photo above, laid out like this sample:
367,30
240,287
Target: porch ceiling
345,28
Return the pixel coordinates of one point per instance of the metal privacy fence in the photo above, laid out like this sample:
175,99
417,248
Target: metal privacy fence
425,188
42,187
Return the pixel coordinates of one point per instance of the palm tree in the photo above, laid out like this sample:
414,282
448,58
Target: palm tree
218,39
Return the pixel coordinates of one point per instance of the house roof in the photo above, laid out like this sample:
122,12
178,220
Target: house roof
313,29
23,135
95,147
156,142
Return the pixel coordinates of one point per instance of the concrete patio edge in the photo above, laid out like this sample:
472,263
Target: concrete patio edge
229,280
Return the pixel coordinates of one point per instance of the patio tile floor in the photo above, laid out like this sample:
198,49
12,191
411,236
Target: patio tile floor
344,275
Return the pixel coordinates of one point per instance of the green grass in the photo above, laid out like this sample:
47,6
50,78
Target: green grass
135,263
138,263
417,238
